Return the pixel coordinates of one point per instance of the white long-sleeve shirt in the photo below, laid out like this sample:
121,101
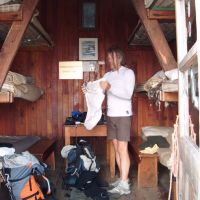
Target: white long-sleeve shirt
119,95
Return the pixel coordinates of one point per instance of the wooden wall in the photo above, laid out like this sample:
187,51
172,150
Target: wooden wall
61,18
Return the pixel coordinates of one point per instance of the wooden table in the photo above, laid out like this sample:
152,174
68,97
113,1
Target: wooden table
147,165
99,131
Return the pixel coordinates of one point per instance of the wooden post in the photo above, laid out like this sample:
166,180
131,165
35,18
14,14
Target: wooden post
13,38
156,37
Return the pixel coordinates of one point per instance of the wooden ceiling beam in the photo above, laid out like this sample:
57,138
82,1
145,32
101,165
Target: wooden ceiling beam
156,36
14,37
161,14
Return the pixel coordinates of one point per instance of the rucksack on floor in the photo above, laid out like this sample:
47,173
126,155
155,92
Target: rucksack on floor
19,172
31,190
80,158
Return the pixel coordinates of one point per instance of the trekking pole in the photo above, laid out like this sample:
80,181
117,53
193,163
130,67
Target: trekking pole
76,125
4,178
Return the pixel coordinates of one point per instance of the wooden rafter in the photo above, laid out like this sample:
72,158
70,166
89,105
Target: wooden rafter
14,37
156,37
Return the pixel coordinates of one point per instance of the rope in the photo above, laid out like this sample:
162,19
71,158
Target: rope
174,156
193,135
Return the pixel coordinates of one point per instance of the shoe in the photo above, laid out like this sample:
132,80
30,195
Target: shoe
122,188
115,183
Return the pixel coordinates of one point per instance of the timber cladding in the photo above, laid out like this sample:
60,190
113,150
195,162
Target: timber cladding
46,116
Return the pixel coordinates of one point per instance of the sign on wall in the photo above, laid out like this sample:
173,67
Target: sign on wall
70,70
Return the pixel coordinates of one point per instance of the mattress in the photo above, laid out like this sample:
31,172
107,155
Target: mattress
166,132
20,143
169,86
10,7
163,131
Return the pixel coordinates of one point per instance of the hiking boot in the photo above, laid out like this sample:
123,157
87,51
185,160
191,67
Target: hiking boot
123,187
115,183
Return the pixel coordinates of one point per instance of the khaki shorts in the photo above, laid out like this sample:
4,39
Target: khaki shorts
119,128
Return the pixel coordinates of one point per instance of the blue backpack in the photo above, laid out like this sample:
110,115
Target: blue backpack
80,159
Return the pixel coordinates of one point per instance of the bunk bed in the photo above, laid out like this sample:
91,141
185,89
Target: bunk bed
35,34
42,148
19,18
164,13
159,4
157,133
19,27
20,143
139,36
162,86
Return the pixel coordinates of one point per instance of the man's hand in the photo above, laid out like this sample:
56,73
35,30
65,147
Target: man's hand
105,85
83,89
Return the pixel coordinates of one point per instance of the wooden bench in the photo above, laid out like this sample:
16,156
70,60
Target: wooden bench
147,165
44,150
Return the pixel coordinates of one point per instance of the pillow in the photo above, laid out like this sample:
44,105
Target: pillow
4,2
163,131
172,74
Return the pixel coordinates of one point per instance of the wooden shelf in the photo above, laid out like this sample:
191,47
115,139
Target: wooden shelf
168,96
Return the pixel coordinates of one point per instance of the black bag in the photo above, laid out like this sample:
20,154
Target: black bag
95,192
76,164
5,144
69,121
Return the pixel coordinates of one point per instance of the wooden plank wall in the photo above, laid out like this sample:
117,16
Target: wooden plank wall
61,18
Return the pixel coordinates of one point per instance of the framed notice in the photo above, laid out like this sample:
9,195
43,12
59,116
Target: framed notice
88,48
71,70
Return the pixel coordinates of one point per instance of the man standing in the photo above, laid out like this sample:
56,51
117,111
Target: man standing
119,85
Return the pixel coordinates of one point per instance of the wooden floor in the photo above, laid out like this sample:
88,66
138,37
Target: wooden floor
158,193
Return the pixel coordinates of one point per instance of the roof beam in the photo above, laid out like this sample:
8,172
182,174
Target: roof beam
157,38
14,37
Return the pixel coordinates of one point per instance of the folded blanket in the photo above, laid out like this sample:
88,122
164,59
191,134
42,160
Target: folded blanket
17,79
28,92
169,86
21,86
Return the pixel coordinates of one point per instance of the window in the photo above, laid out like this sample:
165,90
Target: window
88,14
